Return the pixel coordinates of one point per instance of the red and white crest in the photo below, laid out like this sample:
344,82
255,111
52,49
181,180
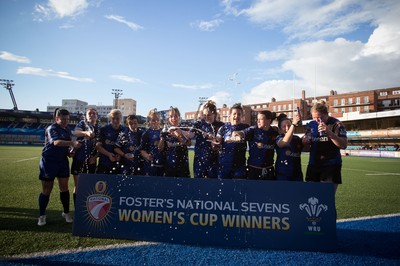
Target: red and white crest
98,206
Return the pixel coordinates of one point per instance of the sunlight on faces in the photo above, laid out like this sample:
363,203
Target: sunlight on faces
317,115
173,118
208,116
116,121
285,125
91,116
236,116
63,120
262,121
133,124
154,122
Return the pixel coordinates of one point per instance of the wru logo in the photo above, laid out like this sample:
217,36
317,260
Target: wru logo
313,209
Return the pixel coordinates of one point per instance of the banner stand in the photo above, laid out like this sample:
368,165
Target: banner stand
212,212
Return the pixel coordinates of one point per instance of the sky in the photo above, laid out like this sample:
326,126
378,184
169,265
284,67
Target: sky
173,53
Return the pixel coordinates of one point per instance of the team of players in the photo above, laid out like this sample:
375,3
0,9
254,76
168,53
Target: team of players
219,152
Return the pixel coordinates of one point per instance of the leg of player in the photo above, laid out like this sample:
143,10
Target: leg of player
65,198
44,197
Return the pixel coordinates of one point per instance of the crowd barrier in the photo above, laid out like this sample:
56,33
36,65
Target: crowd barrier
371,153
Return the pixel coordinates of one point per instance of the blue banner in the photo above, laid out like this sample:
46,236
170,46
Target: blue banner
238,213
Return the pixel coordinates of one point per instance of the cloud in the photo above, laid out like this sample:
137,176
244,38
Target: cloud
210,25
311,19
127,78
193,86
385,40
120,19
12,57
221,98
57,9
271,55
264,92
339,64
50,73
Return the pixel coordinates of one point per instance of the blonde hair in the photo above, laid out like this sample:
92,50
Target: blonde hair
114,113
153,112
320,107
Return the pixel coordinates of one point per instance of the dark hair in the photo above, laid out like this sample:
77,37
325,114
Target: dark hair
282,117
91,109
175,110
60,112
210,105
237,106
131,117
268,114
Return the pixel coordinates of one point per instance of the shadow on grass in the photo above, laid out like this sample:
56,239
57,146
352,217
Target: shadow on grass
22,219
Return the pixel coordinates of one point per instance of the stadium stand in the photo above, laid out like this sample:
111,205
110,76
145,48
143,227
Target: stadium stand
371,132
25,127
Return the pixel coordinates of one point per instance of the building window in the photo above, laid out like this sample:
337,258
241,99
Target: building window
386,103
343,110
366,99
343,101
335,110
366,109
335,102
396,92
350,100
383,93
358,108
358,100
350,109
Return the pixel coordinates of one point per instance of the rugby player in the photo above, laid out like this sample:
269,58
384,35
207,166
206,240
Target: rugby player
54,164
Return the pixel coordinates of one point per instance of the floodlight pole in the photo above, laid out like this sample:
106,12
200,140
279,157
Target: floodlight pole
8,84
117,93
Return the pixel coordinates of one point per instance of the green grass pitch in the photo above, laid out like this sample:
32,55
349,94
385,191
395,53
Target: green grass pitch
371,186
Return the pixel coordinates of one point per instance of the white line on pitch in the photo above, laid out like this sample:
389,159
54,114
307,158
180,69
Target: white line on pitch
29,159
385,174
368,172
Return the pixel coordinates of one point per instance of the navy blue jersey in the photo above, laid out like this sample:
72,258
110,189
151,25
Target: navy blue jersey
149,143
323,151
88,146
50,151
231,154
261,146
129,142
107,137
205,158
288,160
177,158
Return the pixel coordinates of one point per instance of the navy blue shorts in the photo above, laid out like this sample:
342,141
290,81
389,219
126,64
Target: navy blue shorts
227,172
79,167
50,169
316,173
